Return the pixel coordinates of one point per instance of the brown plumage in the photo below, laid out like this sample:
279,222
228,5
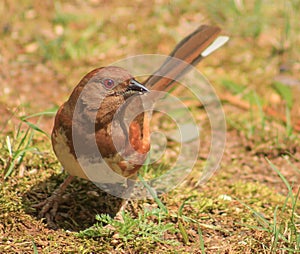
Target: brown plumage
96,106
96,102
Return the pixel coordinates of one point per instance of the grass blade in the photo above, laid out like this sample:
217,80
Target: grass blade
153,194
36,128
201,241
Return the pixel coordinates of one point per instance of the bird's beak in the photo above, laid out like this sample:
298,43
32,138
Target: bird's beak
135,86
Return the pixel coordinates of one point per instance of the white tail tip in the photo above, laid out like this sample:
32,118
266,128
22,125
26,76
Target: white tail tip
219,42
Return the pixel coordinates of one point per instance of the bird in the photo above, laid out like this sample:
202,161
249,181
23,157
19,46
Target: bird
82,137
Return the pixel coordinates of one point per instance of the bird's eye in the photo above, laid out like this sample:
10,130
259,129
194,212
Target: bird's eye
108,83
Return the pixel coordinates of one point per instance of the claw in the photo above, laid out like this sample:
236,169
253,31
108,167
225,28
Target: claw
49,206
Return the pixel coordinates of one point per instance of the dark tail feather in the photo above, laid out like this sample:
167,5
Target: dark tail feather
186,53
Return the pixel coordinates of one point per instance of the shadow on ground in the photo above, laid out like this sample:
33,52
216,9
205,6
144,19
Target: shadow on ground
79,205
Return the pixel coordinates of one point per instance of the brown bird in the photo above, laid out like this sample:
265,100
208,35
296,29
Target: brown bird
82,136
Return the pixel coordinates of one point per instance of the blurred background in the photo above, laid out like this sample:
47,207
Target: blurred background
47,46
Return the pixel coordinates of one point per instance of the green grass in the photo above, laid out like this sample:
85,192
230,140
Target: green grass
179,220
283,229
148,228
21,143
279,226
286,95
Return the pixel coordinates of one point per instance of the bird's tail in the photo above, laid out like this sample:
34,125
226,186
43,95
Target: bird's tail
189,52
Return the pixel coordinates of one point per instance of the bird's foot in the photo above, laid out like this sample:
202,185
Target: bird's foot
48,207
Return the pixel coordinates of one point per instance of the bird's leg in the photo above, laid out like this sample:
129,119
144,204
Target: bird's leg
50,205
122,209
